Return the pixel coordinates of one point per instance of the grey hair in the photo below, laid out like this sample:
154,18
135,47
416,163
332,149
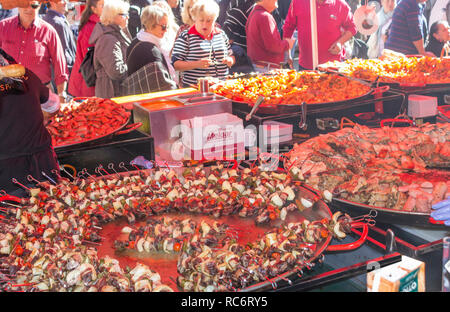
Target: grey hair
151,16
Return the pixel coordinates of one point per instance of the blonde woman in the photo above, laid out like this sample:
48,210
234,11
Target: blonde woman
171,33
203,49
186,16
111,39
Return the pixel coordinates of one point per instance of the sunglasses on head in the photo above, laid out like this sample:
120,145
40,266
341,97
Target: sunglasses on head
34,5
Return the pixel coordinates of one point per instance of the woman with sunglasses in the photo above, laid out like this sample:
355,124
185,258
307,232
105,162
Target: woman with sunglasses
149,68
89,18
111,38
173,26
148,48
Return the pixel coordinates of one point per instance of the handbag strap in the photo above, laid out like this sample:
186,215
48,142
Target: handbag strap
132,50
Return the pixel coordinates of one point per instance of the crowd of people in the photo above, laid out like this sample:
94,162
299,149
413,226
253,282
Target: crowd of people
142,46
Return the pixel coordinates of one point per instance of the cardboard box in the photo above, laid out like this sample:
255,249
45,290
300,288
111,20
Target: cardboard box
408,275
212,137
420,106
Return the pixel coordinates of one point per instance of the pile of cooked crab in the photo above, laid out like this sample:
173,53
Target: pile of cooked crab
49,241
388,167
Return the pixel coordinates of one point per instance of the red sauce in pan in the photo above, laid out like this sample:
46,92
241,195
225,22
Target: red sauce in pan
161,105
166,263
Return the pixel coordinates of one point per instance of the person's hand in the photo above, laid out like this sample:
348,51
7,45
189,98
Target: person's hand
290,62
442,211
204,63
291,42
62,99
228,61
335,48
47,117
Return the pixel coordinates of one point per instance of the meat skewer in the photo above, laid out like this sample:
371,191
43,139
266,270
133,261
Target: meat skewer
59,225
14,180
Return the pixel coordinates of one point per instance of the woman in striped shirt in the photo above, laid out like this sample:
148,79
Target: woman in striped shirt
203,49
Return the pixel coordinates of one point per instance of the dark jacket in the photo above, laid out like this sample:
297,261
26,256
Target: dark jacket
134,22
26,143
143,53
147,69
234,23
65,34
434,46
110,62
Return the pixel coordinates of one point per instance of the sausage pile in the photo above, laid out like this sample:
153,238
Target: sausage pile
83,121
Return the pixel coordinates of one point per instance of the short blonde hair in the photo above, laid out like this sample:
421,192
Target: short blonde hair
186,15
110,10
208,8
166,7
151,16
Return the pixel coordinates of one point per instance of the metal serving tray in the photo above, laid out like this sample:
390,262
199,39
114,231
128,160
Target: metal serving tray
162,123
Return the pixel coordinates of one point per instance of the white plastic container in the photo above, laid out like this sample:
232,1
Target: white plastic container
212,137
420,106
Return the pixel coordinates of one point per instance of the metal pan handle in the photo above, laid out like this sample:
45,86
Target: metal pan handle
434,221
356,244
10,198
394,120
303,124
255,108
380,90
129,128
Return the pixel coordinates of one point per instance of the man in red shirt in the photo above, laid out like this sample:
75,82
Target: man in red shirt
265,48
335,26
35,44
